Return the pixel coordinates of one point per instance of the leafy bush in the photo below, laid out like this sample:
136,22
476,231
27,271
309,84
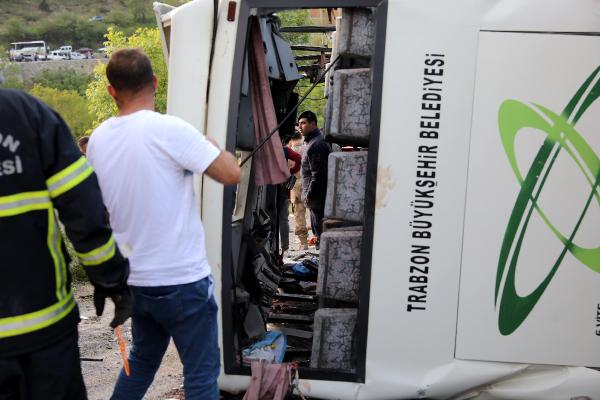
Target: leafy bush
58,29
140,9
70,105
63,79
119,18
70,28
295,18
100,104
15,30
316,99
12,76
314,102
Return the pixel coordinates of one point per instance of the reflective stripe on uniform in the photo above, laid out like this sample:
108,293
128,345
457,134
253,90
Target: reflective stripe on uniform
30,201
54,241
24,202
99,254
69,177
18,325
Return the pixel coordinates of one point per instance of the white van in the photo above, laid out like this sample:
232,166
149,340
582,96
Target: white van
56,55
65,51
478,261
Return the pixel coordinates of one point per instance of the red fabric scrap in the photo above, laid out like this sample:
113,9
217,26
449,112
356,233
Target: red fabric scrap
269,381
296,158
270,165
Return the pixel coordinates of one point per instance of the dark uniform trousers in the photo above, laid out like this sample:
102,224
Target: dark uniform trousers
50,373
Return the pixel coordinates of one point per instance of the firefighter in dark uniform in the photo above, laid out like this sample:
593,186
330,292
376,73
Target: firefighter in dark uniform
43,175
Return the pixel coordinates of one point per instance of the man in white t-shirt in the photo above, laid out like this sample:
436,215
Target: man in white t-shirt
144,162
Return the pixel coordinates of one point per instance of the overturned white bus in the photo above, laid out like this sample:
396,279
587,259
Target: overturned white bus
469,260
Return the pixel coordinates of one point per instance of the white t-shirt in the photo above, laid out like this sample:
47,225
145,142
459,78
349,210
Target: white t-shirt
144,163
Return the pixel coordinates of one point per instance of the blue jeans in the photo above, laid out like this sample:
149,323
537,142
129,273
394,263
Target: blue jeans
188,314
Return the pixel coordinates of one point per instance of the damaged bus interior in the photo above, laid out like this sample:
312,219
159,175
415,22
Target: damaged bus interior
322,314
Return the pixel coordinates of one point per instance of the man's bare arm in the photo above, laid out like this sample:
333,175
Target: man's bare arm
225,168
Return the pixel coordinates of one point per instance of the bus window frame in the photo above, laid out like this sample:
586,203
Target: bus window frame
231,365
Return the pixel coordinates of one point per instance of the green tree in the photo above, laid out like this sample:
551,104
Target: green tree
314,102
100,104
295,18
119,18
140,9
15,30
70,105
69,28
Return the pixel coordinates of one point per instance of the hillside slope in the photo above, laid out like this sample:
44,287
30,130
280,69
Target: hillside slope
38,10
61,22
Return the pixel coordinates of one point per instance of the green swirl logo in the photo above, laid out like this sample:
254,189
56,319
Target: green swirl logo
561,135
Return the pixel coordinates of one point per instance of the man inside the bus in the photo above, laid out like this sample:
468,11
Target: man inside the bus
314,170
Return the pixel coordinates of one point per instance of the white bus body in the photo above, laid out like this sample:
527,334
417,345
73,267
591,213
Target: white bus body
41,51
494,317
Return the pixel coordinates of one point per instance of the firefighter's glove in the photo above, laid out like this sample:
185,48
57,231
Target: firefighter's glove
121,296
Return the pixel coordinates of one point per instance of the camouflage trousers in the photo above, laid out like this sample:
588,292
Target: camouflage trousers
300,229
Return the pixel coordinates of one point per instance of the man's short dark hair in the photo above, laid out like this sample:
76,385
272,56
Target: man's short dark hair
309,115
296,136
129,70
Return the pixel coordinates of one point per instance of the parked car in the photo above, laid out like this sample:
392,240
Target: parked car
77,56
56,55
97,18
86,51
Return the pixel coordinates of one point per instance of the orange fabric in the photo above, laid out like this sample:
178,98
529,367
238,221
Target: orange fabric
123,349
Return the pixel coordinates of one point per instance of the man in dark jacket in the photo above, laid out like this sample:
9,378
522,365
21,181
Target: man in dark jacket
41,173
314,170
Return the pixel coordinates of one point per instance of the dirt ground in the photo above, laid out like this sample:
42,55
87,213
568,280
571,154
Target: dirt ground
98,342
101,358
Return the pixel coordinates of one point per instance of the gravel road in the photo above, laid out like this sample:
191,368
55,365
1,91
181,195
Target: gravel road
97,341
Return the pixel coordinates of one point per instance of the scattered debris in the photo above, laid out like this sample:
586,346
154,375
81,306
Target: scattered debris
271,349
